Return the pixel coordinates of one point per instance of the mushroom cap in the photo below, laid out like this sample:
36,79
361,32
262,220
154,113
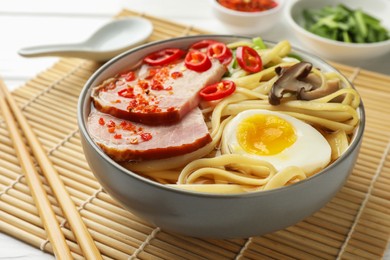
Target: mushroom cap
290,81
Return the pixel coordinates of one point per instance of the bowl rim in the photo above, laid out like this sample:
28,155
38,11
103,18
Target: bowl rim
248,14
84,98
299,28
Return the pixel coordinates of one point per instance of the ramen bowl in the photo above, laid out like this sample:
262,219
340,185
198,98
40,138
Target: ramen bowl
205,214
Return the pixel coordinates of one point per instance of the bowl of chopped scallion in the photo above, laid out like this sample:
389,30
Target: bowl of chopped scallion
347,30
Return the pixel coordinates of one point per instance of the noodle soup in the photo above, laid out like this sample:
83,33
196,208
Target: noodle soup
175,194
272,118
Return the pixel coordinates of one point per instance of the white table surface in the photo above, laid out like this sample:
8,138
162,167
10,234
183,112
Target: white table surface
25,23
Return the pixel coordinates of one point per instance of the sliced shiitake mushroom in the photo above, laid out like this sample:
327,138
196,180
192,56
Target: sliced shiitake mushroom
290,81
299,80
331,86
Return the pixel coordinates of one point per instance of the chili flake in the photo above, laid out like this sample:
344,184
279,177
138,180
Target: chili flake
111,124
127,126
157,85
111,129
118,136
132,105
151,109
176,74
162,74
152,72
130,76
143,84
146,136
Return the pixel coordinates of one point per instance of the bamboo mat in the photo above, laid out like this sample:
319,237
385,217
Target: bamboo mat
354,224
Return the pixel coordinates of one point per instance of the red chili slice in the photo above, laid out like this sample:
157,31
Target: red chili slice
126,93
218,90
221,52
202,45
248,59
197,61
128,75
163,57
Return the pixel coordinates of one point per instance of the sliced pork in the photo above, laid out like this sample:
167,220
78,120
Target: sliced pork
124,140
155,95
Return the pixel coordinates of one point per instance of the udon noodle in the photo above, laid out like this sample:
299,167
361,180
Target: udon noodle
214,169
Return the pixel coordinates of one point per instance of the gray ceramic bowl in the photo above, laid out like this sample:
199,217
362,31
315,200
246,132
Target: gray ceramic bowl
201,214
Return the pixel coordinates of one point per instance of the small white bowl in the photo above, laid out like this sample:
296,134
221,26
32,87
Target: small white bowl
248,23
336,50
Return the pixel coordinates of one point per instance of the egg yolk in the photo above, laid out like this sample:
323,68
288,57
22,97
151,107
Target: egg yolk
265,134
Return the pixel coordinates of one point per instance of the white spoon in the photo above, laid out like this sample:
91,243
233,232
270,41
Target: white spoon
111,39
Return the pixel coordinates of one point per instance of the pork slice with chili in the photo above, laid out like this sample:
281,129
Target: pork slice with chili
124,140
155,94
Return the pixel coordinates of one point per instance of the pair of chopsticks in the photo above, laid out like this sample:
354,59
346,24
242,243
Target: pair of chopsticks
61,250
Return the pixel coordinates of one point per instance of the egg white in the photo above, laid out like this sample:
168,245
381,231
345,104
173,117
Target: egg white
311,152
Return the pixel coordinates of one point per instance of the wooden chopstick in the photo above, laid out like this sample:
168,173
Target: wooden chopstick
56,237
84,239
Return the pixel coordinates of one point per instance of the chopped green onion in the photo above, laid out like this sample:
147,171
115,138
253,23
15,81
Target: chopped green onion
341,23
258,43
295,56
346,37
361,25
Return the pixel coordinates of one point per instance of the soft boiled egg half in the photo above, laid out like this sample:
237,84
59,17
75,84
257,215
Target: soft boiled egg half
277,138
